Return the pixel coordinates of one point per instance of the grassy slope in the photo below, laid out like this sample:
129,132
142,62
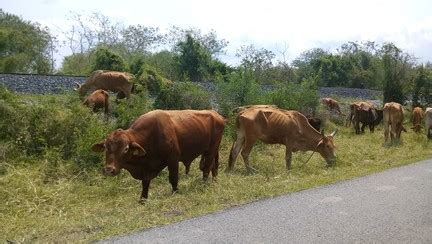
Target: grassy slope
42,204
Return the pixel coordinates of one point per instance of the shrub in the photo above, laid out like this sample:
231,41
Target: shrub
149,78
302,97
241,89
108,60
183,95
128,110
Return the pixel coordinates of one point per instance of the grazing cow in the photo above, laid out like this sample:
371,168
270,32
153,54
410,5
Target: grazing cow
114,81
393,121
353,108
277,126
428,122
367,115
331,104
97,100
315,122
162,138
417,116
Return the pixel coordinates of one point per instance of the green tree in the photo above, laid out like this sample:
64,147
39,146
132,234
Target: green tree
24,46
396,66
422,87
258,60
77,64
193,59
108,60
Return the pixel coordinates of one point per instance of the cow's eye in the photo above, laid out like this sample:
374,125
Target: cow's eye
126,149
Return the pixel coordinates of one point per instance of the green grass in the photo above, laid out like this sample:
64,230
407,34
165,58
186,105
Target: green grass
57,201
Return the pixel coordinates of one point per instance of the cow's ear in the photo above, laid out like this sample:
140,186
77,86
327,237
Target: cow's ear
137,150
99,147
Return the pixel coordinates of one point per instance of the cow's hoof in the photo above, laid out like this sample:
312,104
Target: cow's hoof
142,200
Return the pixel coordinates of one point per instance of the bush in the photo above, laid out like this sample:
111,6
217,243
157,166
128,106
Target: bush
128,110
183,95
149,78
108,60
34,125
241,89
301,97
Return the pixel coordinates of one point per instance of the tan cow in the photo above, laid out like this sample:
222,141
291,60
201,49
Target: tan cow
119,82
99,99
393,121
276,126
160,139
417,117
428,122
331,104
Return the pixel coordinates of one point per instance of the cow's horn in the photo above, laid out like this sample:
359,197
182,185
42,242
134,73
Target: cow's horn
333,133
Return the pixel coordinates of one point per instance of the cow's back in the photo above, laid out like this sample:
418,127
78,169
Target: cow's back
393,113
270,125
187,133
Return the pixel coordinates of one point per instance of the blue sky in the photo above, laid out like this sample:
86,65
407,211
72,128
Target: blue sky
270,24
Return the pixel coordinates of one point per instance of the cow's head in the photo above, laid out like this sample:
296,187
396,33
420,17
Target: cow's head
79,89
119,148
326,147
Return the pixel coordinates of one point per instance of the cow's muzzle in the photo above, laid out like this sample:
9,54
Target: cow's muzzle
110,171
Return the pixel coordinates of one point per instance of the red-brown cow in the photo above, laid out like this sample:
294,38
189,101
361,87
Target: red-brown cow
393,121
417,117
428,122
331,104
114,81
99,99
160,139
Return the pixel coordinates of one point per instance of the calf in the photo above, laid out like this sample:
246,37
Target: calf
99,99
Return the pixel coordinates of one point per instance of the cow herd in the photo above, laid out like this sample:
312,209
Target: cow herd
163,138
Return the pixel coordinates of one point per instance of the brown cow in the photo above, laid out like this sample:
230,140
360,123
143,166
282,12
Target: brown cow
331,104
417,116
353,108
114,81
162,138
393,121
99,99
428,122
366,114
315,122
277,126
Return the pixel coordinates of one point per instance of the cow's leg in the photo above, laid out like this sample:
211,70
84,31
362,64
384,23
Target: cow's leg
145,189
288,157
357,127
215,165
173,169
235,150
386,131
249,143
363,127
187,166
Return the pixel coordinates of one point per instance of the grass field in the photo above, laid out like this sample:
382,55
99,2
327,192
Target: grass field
58,202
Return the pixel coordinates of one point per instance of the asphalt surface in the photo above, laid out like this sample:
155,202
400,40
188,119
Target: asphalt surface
394,206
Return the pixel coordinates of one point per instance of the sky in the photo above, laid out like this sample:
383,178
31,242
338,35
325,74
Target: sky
276,25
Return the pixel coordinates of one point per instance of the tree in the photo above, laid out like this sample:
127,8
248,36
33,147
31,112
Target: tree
193,59
108,60
303,64
258,60
77,64
422,87
209,41
396,65
24,46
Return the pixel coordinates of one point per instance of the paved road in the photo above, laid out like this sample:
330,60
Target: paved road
390,207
